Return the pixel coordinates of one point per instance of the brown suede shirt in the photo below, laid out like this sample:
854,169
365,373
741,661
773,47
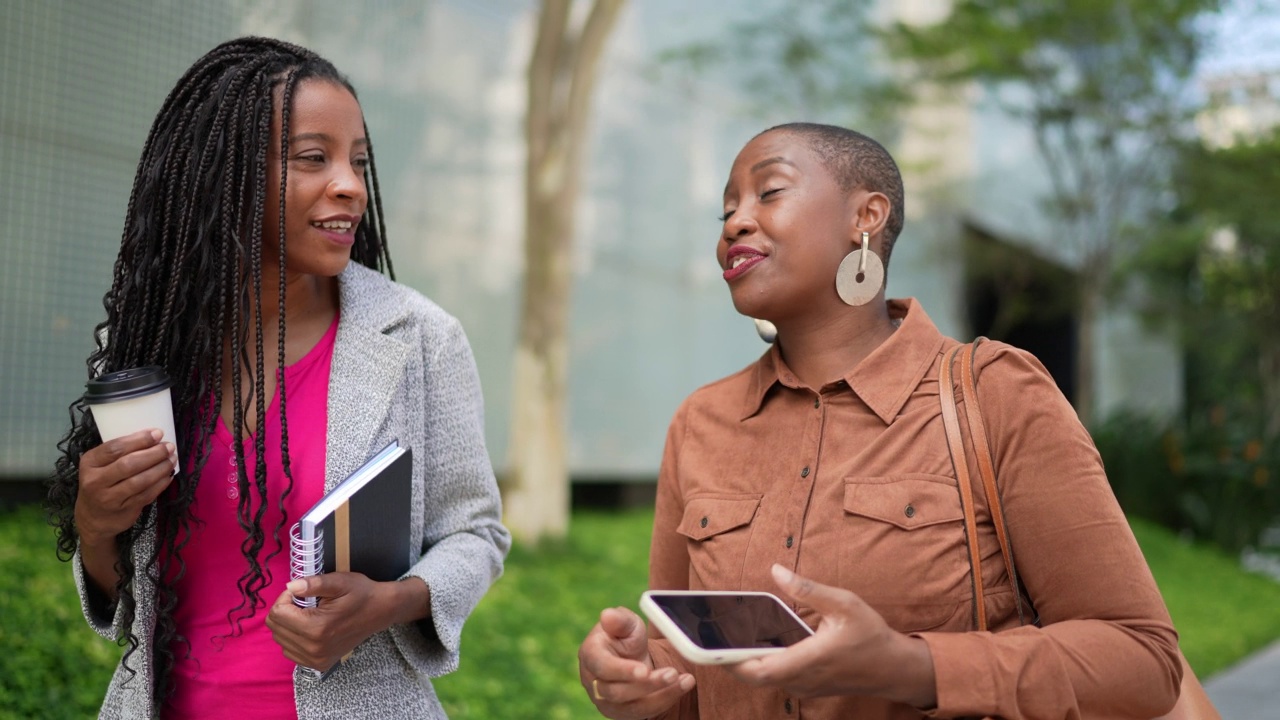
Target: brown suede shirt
853,486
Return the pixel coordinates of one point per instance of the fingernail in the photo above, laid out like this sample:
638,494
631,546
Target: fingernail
297,587
782,574
157,434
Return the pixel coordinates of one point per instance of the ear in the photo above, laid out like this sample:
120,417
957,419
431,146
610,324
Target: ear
871,214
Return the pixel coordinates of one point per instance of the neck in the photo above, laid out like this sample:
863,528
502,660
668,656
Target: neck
307,297
822,350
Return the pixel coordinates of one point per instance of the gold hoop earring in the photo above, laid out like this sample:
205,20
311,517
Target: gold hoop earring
860,275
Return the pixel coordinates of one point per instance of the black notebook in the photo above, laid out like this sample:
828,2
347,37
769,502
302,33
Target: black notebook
362,525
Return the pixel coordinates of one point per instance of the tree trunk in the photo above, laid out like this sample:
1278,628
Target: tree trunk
537,492
562,73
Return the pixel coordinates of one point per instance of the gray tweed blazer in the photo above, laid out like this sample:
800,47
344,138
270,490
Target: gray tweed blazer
402,369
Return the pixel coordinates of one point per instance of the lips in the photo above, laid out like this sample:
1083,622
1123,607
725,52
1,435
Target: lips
340,229
740,259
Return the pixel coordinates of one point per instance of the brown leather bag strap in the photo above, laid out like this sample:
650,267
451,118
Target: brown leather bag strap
1193,702
955,444
986,468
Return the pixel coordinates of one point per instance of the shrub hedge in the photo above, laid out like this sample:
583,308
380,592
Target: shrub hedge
1213,477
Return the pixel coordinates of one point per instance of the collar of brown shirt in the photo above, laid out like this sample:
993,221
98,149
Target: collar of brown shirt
884,380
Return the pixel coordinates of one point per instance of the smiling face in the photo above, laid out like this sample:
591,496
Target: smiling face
787,226
326,195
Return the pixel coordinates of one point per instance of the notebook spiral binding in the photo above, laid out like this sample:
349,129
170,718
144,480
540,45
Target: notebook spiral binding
306,558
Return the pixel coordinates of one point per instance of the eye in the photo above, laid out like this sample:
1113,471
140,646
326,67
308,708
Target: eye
311,157
769,192
727,214
362,163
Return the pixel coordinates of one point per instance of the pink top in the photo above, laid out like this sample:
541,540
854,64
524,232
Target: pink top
248,670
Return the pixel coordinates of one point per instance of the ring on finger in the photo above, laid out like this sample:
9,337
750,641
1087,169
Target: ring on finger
595,688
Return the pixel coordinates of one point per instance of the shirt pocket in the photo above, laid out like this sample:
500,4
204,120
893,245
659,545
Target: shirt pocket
903,548
718,531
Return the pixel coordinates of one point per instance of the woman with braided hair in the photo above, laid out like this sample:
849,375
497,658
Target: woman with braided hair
291,365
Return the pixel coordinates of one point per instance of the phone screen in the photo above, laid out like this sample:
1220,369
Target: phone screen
728,622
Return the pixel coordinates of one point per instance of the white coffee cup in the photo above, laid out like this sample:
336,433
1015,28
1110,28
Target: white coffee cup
127,401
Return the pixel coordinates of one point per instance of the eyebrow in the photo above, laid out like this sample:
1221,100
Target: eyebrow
764,164
322,137
771,161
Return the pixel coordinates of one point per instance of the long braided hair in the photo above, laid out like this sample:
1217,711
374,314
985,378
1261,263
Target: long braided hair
188,274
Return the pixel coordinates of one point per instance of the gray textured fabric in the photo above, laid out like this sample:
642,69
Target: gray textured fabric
402,369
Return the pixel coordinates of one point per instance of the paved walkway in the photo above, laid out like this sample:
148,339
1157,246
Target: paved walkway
1249,690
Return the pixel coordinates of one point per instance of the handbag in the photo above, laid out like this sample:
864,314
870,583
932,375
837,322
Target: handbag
1193,702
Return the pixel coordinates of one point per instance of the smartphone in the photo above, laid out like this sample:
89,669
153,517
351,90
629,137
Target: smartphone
723,627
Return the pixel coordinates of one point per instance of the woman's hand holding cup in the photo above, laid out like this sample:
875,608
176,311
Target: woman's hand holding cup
118,479
127,472
618,674
136,462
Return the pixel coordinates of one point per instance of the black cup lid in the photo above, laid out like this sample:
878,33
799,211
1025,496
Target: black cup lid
126,384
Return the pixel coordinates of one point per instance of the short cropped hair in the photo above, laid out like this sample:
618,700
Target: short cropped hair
856,161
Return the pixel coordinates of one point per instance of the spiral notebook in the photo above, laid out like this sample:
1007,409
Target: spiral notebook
362,525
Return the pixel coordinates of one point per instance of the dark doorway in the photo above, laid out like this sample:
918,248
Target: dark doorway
1014,295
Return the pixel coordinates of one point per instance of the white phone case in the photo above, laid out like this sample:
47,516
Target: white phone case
702,656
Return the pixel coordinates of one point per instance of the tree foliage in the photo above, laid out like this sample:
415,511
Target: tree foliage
1099,85
1218,265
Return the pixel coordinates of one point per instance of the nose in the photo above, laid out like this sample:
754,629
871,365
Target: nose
740,224
347,183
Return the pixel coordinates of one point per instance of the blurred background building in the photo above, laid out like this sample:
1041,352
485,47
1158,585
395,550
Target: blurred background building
1242,105
442,83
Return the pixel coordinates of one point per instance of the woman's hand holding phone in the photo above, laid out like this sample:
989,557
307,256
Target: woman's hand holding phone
853,651
618,674
722,627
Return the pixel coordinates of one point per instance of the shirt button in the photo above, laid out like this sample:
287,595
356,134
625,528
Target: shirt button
805,472
703,522
789,539
816,402
787,706
910,511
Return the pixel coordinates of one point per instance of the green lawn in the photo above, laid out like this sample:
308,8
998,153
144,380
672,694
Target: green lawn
1222,613
519,649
